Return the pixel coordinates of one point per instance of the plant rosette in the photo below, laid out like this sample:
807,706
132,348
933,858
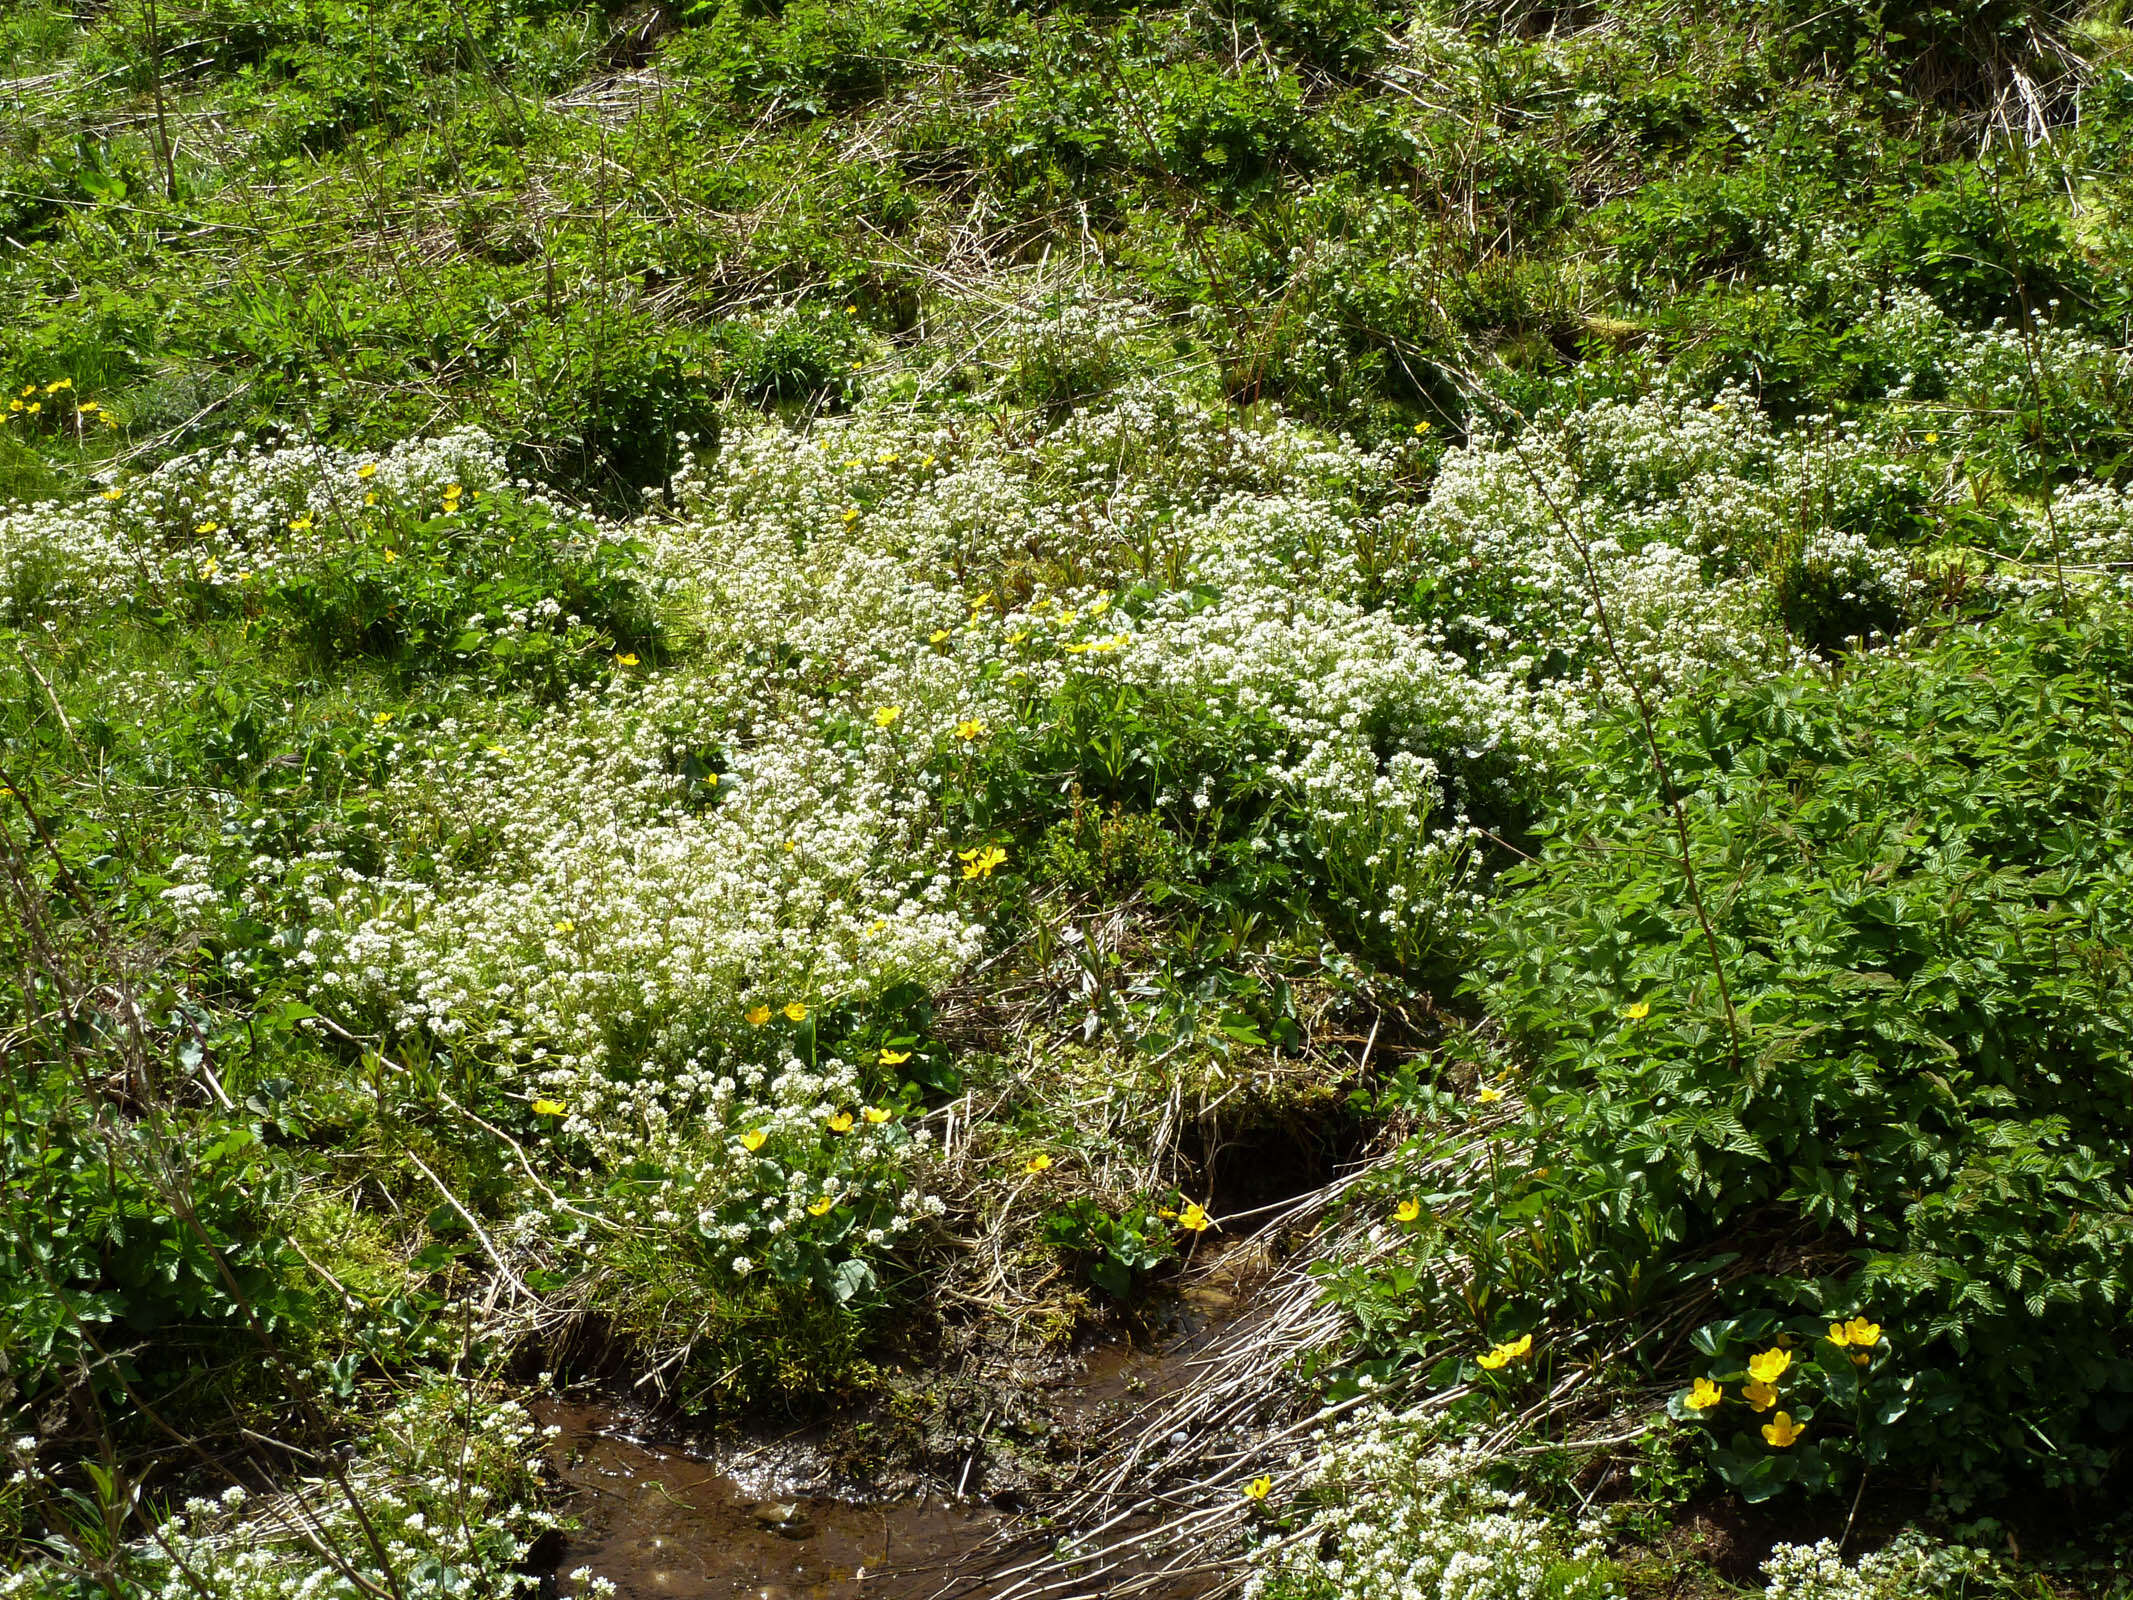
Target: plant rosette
1805,1401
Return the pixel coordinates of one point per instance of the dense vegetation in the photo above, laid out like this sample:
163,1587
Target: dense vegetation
727,692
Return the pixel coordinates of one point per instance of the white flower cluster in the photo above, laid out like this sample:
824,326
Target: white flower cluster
446,1481
1071,345
1402,1518
1909,1567
221,517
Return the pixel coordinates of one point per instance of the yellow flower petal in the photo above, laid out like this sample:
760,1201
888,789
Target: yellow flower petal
795,1012
822,1207
1037,1163
1770,1366
758,1015
754,1139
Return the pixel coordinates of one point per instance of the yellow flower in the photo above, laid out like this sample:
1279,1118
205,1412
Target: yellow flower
1932,438
884,715
208,527
1409,1209
822,1207
1703,1395
851,515
979,863
1099,605
841,1122
452,491
370,499
1638,1011
548,1108
380,718
758,1015
1489,1094
754,1139
895,1058
390,555
877,1115
1017,637
1504,1354
1422,427
300,524
795,1012
1194,1220
1863,1333
368,469
566,926
114,493
625,660
878,927
937,636
89,408
1760,1396
1259,1488
970,728
58,384
1037,1163
1770,1365
1780,1431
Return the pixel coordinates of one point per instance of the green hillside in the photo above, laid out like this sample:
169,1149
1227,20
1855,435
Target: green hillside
771,716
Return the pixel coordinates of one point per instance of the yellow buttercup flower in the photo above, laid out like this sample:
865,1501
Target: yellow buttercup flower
1409,1209
758,1015
1489,1094
1638,1011
877,1115
1504,1354
822,1207
1781,1431
368,469
841,1122
566,926
1932,438
1863,1333
1759,1395
378,719
884,715
851,515
1703,1395
208,527
979,863
300,524
114,493
970,728
795,1012
894,1058
625,660
937,636
1037,1163
549,1108
1259,1488
1194,1220
754,1139
1770,1366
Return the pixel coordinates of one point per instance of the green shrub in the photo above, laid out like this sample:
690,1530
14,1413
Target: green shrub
1919,873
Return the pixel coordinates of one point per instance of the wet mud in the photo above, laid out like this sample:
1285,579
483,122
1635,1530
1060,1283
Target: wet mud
658,1520
666,1517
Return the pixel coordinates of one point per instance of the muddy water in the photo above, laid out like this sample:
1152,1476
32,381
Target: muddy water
666,1519
658,1521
